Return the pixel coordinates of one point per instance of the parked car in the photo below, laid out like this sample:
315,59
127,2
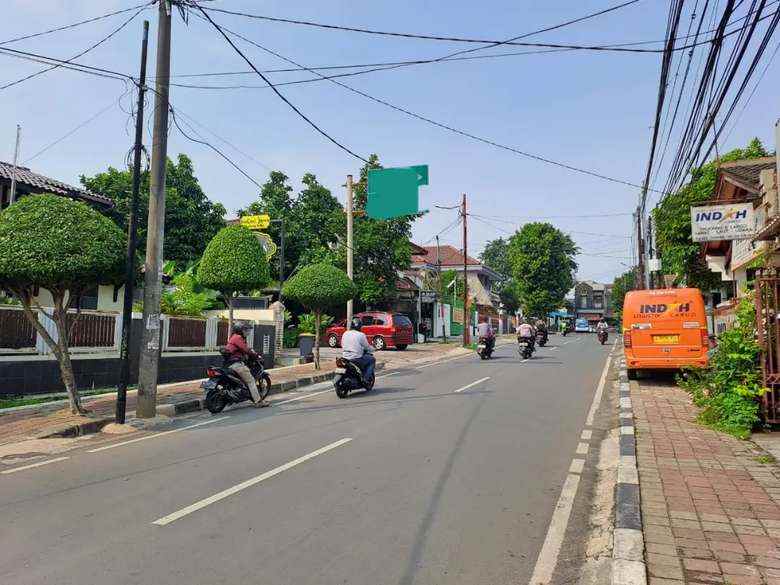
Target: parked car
582,326
384,330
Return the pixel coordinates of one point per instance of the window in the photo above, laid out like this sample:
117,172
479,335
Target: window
380,320
583,301
89,299
401,321
598,302
367,320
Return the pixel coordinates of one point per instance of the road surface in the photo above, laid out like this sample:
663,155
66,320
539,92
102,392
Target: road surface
446,473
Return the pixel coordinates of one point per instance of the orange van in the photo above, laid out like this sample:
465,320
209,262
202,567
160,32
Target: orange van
664,329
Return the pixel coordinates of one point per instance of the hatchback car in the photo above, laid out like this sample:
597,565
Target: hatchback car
383,330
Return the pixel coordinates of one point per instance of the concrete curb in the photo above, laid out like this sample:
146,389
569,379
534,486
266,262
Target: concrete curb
628,545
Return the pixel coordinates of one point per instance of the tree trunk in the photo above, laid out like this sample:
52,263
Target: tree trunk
229,300
317,321
63,355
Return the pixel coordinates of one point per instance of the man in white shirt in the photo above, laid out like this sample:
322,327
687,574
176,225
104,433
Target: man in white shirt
355,348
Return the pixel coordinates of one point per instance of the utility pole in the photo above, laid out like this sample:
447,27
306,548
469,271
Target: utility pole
132,232
280,221
350,255
16,162
650,252
150,349
441,304
466,315
640,251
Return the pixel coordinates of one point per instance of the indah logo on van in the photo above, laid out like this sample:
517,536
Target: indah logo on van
664,307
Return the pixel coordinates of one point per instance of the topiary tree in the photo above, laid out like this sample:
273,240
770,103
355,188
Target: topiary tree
63,246
320,287
234,261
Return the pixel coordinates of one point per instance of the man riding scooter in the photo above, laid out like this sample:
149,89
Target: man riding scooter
526,334
602,330
541,331
237,353
356,349
485,331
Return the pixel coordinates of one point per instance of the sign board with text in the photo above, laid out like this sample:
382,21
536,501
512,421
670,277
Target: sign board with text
735,221
256,222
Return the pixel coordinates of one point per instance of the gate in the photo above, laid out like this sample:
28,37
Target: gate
767,303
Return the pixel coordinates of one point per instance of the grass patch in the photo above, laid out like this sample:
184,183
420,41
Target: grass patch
765,459
11,402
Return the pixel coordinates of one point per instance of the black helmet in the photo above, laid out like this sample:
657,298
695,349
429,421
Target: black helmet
239,328
356,323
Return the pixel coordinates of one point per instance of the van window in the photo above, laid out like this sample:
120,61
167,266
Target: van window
401,321
380,320
367,320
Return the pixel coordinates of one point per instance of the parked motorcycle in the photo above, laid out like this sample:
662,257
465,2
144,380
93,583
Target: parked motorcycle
225,387
485,348
541,337
602,336
525,347
350,377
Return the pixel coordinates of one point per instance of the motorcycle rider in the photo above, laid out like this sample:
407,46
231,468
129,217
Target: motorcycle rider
355,348
240,352
602,326
541,327
526,332
484,330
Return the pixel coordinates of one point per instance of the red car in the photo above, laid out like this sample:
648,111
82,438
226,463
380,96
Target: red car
382,329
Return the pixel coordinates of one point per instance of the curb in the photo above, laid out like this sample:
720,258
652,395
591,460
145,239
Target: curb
628,544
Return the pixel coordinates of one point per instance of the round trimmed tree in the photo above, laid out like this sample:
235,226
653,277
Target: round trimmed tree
320,287
234,261
65,247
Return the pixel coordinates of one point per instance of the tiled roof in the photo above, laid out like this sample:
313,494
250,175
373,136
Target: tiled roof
40,184
745,173
449,256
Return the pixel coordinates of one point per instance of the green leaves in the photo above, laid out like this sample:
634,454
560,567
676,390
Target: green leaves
234,261
57,243
621,285
319,287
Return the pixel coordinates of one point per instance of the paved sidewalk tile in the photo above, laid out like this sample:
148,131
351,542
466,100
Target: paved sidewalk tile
711,511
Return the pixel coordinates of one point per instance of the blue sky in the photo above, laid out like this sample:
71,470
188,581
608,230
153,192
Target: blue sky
592,110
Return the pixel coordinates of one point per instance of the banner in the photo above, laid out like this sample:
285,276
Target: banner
734,221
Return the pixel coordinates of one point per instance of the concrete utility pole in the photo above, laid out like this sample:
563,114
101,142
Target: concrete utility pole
150,350
132,232
12,197
466,311
640,261
441,304
350,255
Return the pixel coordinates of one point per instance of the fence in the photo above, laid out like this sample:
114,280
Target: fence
16,332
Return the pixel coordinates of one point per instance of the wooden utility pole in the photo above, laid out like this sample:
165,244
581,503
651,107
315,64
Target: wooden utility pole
150,350
466,310
12,196
350,255
132,232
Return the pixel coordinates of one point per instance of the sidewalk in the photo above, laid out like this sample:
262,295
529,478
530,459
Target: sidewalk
54,418
710,508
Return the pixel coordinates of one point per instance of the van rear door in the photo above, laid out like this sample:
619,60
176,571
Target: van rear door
668,326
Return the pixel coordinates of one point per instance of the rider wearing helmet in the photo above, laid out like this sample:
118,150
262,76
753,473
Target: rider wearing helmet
239,353
526,332
355,348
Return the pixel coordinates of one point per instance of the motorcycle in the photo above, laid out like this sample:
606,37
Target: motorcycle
602,336
541,337
484,348
350,377
225,387
525,347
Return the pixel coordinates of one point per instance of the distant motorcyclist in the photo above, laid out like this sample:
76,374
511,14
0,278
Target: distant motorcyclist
602,326
526,333
355,348
485,331
238,354
540,325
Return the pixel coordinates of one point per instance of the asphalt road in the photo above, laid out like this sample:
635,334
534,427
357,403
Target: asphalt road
413,483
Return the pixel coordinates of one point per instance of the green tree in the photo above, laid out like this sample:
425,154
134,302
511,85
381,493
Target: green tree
507,292
191,219
234,261
63,246
541,258
622,284
672,219
319,287
496,256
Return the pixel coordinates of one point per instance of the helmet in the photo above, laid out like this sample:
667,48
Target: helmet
356,323
239,328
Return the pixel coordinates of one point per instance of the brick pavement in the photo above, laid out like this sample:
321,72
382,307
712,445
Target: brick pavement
711,512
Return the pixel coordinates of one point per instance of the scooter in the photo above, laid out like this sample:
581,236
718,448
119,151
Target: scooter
525,347
225,387
602,336
541,337
485,348
350,377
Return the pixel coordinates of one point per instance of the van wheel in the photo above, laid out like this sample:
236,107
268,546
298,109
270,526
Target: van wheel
632,374
379,343
333,340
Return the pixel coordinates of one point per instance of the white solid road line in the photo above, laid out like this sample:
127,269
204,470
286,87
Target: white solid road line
156,435
467,386
548,556
165,520
33,465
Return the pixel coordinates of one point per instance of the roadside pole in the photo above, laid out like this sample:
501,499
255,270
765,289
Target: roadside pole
350,255
441,304
12,197
466,311
132,232
150,348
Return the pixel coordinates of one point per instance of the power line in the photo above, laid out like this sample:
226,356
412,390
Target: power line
277,92
79,23
88,69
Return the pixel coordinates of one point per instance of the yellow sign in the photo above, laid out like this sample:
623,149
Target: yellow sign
256,222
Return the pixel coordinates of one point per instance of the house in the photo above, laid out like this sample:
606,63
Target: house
104,298
592,301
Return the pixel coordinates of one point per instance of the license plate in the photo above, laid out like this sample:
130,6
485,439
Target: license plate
340,370
665,339
481,346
